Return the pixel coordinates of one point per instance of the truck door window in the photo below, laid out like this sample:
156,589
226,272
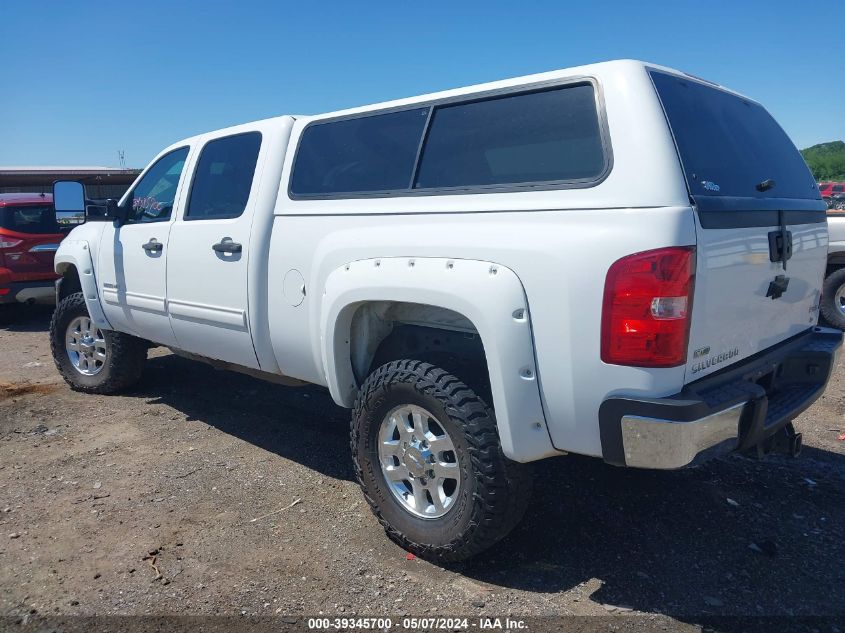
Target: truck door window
223,178
153,196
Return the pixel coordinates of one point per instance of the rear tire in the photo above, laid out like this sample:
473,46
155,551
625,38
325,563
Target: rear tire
833,299
89,359
489,493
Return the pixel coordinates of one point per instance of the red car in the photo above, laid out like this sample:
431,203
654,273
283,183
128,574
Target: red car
830,189
29,237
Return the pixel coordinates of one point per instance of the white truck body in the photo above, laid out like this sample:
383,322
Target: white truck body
320,281
836,229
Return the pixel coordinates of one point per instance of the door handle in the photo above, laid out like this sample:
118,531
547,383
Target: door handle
227,246
153,246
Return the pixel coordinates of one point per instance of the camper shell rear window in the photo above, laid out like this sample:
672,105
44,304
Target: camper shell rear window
730,146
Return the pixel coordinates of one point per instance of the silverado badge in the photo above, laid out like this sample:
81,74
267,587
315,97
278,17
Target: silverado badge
715,360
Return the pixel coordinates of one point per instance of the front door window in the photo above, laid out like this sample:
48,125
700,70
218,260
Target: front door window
154,195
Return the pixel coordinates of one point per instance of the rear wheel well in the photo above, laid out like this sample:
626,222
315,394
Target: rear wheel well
382,332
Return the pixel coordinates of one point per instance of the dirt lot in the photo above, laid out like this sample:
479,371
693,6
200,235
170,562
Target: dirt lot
243,493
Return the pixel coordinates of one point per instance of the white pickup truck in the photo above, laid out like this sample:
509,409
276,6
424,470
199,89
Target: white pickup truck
618,260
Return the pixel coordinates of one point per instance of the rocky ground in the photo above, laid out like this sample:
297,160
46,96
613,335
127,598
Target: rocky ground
210,493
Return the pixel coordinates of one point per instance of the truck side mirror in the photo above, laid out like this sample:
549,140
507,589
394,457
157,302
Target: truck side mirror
68,196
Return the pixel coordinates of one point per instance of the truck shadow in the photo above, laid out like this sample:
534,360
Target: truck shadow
25,318
736,536
302,424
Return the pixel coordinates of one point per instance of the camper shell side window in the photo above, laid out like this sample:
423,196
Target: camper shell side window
542,137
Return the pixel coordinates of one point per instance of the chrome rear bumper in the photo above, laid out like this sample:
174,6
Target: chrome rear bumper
737,408
667,444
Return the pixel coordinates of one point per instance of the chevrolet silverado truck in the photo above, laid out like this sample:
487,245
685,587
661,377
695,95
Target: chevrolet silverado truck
618,260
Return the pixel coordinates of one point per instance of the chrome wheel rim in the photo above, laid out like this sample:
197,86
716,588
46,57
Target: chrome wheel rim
839,299
86,346
419,462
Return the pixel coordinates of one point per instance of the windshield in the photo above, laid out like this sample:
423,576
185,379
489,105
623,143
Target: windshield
29,219
730,146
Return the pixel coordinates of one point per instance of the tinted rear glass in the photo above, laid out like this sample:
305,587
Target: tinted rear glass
223,177
729,145
546,136
372,153
29,219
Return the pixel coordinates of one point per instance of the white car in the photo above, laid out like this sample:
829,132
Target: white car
618,260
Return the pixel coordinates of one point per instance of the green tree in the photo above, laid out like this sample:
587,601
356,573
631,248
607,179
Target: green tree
826,160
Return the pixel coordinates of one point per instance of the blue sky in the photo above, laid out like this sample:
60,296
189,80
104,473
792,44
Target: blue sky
82,80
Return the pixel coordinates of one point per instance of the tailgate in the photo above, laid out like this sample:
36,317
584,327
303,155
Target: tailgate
761,231
744,303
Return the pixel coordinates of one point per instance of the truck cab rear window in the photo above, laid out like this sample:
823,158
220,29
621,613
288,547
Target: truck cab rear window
548,136
729,145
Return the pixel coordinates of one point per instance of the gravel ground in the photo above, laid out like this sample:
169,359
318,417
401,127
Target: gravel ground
210,493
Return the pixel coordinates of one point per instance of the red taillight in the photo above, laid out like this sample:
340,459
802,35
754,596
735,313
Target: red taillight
4,291
647,307
8,242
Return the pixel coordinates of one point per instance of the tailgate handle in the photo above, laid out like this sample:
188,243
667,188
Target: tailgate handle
780,245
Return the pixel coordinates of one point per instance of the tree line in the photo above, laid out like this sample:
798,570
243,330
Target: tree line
826,160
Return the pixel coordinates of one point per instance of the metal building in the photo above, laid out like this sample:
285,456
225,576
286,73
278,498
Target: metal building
100,182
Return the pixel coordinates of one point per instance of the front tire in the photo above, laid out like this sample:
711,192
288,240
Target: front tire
833,299
88,358
428,459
